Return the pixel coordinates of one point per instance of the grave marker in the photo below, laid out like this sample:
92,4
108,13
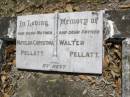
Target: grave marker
67,42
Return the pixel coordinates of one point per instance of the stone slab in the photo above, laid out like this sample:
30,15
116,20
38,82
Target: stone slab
8,27
126,68
1,42
66,42
121,18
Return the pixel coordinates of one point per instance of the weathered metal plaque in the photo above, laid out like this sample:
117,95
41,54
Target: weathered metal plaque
66,42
